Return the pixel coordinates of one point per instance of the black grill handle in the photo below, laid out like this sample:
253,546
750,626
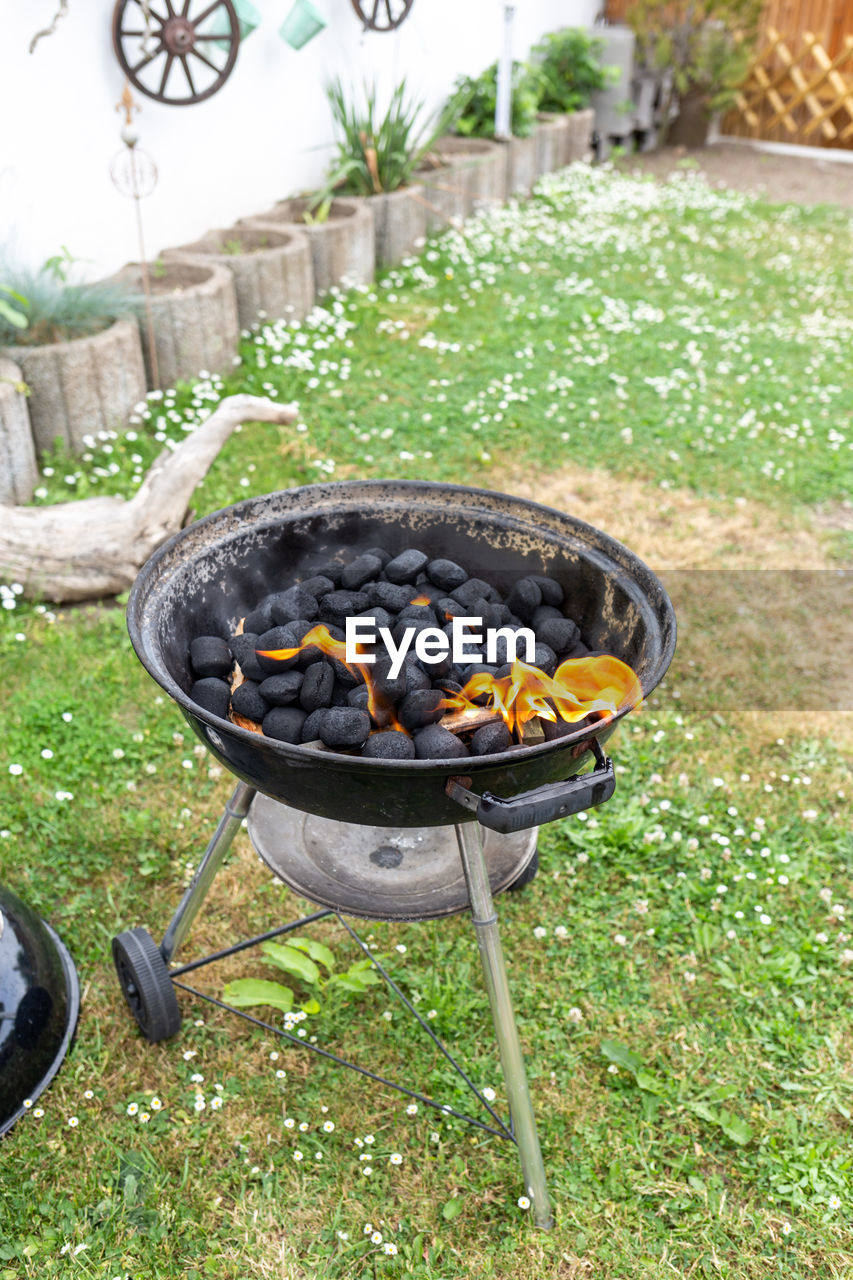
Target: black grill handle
545,804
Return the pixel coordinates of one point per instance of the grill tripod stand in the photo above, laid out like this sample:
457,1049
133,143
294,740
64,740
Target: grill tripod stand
148,983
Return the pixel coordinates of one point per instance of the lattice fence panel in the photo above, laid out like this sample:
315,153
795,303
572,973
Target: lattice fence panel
796,92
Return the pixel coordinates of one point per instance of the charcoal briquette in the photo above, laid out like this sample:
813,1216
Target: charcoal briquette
544,612
247,700
578,650
435,743
311,728
446,608
243,648
446,574
415,676
331,570
489,738
210,656
545,659
282,689
213,694
560,634
552,592
418,613
388,595
293,605
317,685
558,728
389,745
415,624
359,697
406,566
474,589
341,694
524,598
260,619
420,708
318,586
379,552
286,637
379,616
390,691
337,606
284,723
344,727
363,569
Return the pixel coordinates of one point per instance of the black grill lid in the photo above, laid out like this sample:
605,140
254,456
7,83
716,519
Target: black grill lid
39,1006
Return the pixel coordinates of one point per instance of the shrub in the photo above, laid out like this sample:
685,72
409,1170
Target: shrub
569,70
480,93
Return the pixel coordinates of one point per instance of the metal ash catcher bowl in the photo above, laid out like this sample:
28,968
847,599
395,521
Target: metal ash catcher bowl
371,838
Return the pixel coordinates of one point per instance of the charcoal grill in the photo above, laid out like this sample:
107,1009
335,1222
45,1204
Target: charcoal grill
214,572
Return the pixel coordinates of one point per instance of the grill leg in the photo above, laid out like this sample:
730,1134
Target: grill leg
220,842
470,839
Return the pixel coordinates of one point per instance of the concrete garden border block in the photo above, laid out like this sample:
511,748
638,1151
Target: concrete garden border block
444,195
399,222
342,248
552,142
194,319
82,386
481,165
521,170
18,469
272,269
582,127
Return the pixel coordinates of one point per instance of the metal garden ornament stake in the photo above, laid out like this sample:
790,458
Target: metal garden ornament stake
134,174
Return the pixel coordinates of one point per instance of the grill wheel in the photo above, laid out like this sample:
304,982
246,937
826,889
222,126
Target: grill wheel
146,985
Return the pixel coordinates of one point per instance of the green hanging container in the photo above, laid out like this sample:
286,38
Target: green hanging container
301,25
247,16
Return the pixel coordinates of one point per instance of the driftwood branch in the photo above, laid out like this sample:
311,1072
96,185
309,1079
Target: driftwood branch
95,547
48,31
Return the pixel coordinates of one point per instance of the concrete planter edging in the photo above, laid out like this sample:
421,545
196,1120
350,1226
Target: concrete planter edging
399,222
481,166
18,469
273,278
195,326
82,386
343,249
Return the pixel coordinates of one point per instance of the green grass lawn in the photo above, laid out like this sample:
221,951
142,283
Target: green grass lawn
681,966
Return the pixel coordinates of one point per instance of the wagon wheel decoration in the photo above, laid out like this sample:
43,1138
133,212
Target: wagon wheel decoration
151,36
382,15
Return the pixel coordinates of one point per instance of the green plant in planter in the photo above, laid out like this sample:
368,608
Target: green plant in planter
380,152
568,64
477,120
706,45
13,312
55,310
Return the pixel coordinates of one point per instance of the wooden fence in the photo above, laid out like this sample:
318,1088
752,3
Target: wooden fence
800,85
797,91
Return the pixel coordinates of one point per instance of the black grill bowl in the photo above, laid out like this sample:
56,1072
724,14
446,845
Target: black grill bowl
217,570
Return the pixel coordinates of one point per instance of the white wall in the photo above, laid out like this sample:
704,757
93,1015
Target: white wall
266,134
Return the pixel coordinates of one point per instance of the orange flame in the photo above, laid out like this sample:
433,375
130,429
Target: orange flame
580,686
600,684
321,638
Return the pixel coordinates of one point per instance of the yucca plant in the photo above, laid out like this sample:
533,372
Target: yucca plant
53,309
380,152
